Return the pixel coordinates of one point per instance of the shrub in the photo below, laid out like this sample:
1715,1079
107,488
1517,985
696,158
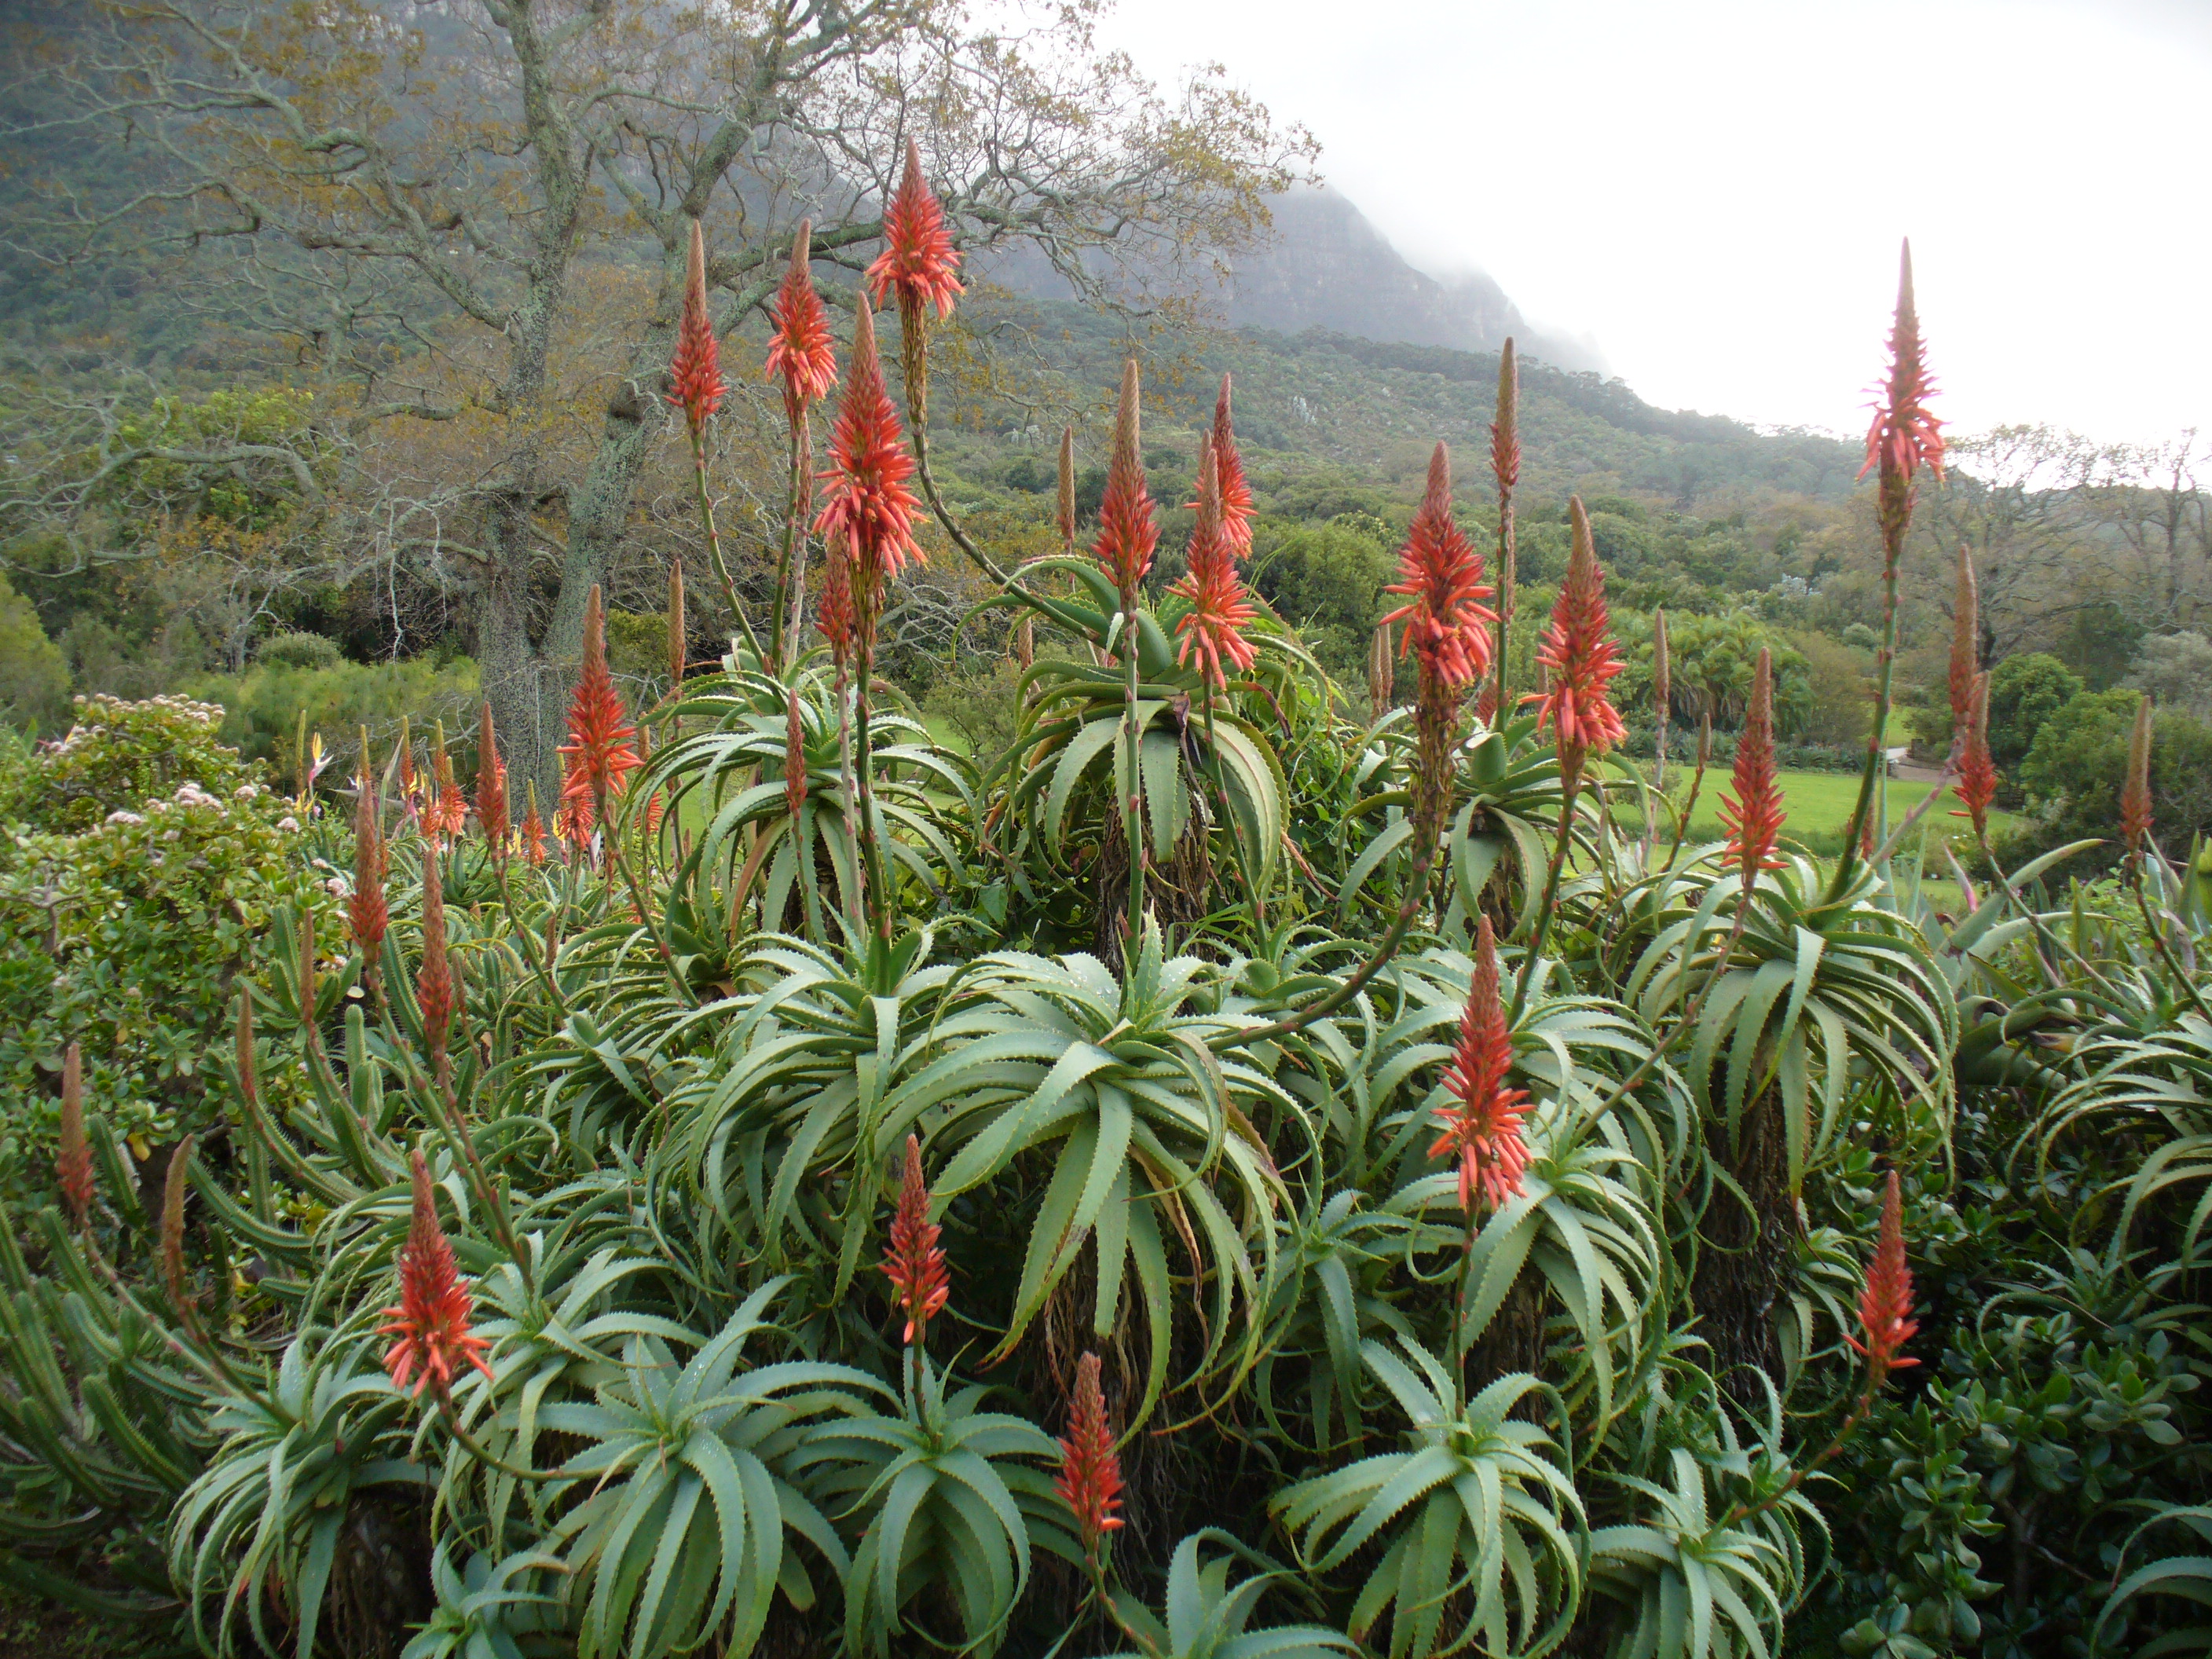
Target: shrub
35,678
2074,774
262,707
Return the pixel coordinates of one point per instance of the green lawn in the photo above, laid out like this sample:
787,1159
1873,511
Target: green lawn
1819,803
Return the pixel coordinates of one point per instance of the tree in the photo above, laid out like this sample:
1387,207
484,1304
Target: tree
2176,669
2151,497
2025,691
474,216
34,680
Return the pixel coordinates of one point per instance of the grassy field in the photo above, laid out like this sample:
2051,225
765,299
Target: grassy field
1819,804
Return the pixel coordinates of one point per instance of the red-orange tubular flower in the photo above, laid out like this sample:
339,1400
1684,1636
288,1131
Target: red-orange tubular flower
918,262
915,1264
1127,531
73,1157
695,373
432,1341
491,784
866,502
576,817
601,750
1977,773
1219,609
800,351
1090,1481
1905,435
367,912
1483,1130
1754,814
2134,799
833,611
794,756
434,982
1440,574
449,812
1886,1321
533,831
1236,492
1579,654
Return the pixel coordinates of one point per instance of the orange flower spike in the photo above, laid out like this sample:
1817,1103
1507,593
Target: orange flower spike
1484,1131
533,831
73,1157
1236,492
1754,815
367,912
918,260
1127,534
915,1264
577,815
430,1327
449,810
1090,1481
1886,1321
801,350
1905,435
2134,799
601,749
794,756
1579,654
1977,773
695,373
1067,490
491,784
833,613
1219,610
434,982
865,502
1440,576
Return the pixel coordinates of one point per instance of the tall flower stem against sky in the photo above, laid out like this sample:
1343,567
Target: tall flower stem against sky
1904,438
1505,471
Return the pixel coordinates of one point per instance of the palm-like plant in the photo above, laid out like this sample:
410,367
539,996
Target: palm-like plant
1205,1615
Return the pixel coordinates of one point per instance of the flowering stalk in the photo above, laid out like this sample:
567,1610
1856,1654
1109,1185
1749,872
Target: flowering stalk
1754,815
449,812
914,1263
491,787
869,512
1236,492
171,1253
1381,674
432,1341
73,1157
1126,536
1904,437
1580,659
1090,1481
1965,639
2135,795
803,355
1505,472
1483,1130
1977,773
1218,614
696,387
435,993
367,912
1066,481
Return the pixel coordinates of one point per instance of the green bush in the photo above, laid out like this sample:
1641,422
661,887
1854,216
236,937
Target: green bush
2074,774
136,886
35,678
262,707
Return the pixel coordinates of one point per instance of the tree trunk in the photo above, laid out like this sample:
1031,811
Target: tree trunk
1744,1257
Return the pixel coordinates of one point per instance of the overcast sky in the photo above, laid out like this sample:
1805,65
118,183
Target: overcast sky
1713,190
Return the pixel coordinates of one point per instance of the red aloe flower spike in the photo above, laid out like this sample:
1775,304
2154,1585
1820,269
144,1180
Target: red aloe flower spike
918,260
1886,1303
1235,494
491,784
695,373
365,910
1977,773
915,1264
801,350
1220,612
833,613
577,815
1754,814
431,1326
1965,637
1904,436
1579,655
1067,488
73,1158
866,502
1126,532
1440,574
1485,1130
1090,1481
599,750
2134,799
449,812
434,980
794,757
533,831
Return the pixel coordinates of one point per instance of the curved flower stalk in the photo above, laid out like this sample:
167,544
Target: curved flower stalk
802,356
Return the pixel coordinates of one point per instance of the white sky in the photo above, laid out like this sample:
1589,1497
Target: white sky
1713,190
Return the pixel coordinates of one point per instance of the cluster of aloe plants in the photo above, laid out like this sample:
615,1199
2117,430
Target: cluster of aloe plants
1231,1176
